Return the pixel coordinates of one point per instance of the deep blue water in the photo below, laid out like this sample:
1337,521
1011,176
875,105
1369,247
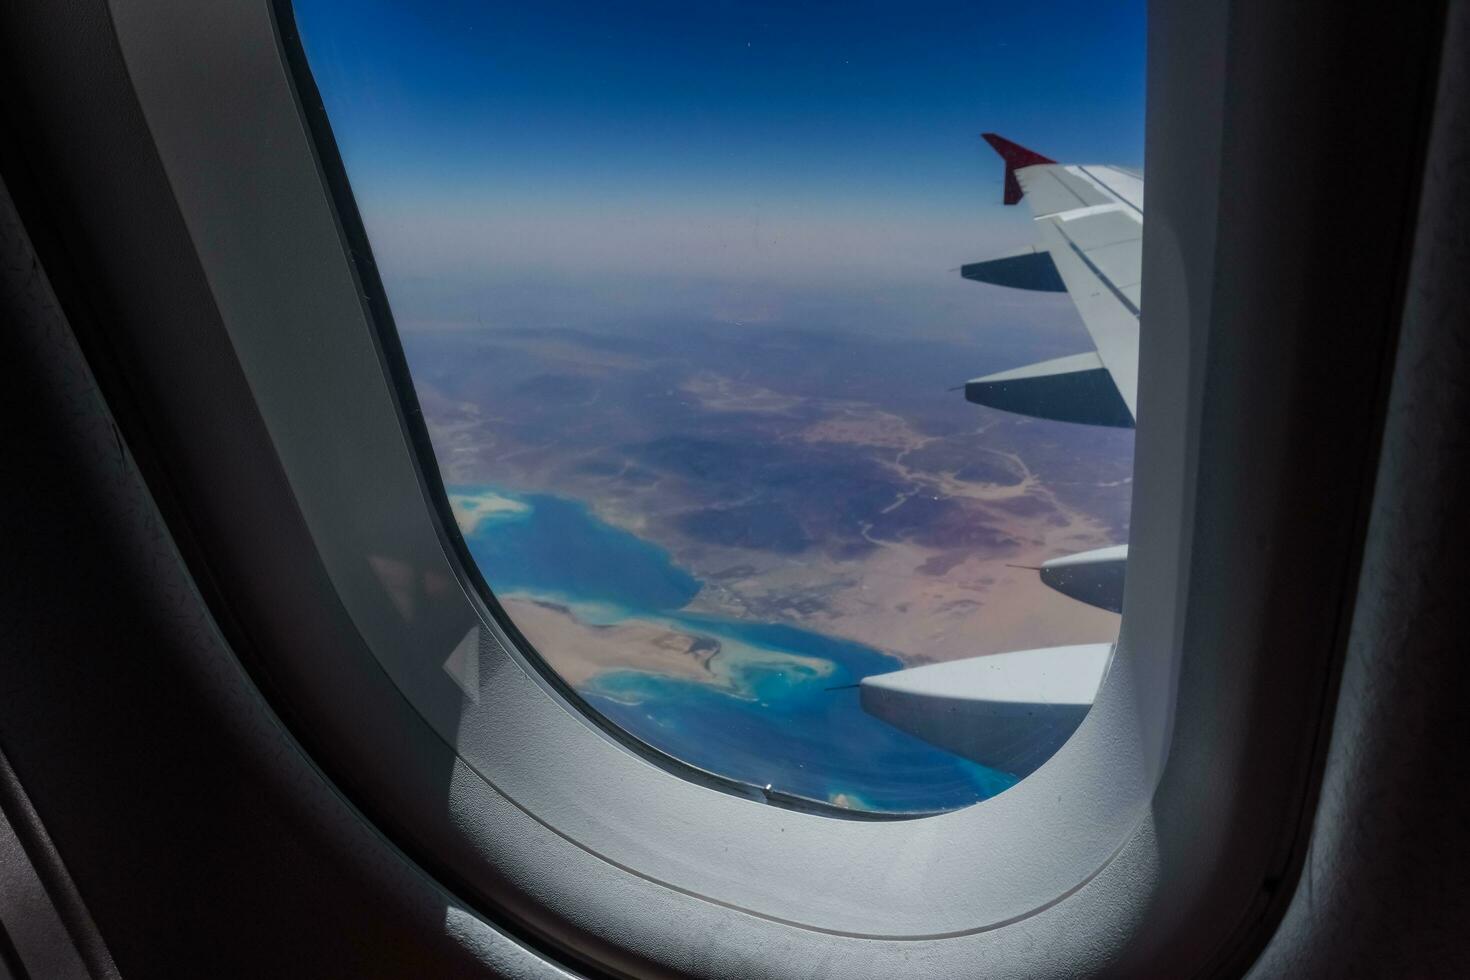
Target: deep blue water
777,719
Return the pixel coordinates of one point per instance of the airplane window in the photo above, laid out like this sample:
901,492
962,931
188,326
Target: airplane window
787,420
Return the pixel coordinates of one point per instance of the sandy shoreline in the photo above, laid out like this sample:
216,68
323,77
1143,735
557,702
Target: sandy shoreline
579,652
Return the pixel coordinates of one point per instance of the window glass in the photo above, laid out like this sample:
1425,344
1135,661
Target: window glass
690,295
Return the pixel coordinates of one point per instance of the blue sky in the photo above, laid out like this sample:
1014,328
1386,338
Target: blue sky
793,143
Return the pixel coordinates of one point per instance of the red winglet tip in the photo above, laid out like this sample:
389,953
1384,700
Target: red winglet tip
1016,156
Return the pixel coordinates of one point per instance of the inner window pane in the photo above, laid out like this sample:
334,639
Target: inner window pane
691,294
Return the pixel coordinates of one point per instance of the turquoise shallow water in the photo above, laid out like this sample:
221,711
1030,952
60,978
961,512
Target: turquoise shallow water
769,715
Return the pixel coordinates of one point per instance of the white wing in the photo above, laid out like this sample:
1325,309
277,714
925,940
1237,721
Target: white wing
1090,223
1009,711
1013,710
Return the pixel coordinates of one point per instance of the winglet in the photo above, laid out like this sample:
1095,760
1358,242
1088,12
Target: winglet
1016,156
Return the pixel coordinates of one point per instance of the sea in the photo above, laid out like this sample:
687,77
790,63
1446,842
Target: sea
780,707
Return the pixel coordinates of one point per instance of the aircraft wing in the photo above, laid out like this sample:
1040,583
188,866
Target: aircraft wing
1089,220
1011,711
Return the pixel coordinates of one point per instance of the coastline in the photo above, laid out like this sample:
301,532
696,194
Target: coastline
580,651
